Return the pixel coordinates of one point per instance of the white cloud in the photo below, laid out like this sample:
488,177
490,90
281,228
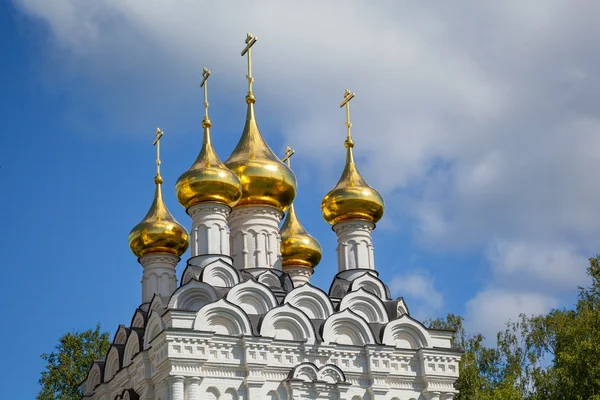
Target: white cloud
418,289
481,115
491,309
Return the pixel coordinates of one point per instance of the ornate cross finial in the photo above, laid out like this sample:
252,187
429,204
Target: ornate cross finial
205,74
250,40
159,134
347,97
289,152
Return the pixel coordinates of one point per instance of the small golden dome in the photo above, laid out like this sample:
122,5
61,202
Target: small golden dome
265,179
208,179
158,232
298,247
352,197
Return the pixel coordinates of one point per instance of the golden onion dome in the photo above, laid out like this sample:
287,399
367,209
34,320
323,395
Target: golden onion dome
265,179
298,247
352,198
208,179
158,232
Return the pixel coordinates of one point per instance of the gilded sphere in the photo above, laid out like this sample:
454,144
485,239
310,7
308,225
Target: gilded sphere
208,179
347,203
352,197
201,184
158,232
265,179
298,247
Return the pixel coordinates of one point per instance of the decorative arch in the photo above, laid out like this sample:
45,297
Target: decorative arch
132,347
310,300
252,297
371,284
155,326
270,279
220,273
156,303
212,393
223,318
273,395
331,374
286,322
94,377
367,305
121,335
192,296
113,362
308,372
347,327
230,394
406,333
139,319
402,308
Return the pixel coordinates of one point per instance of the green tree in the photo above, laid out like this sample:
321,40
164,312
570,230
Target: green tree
69,363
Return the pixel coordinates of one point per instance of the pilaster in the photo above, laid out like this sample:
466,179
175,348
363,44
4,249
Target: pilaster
210,230
176,388
299,274
355,246
255,239
159,275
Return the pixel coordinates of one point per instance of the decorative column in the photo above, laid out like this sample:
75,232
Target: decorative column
176,387
159,275
194,388
210,230
355,246
255,239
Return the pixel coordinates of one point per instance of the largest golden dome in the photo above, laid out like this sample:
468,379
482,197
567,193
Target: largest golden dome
298,247
208,179
265,179
158,232
352,197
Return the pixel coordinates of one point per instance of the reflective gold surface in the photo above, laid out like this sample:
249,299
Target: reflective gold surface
298,247
265,179
158,232
208,179
352,197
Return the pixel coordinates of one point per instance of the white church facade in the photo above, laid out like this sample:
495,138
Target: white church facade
244,322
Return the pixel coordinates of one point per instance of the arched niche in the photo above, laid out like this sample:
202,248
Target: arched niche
347,327
307,372
310,300
252,297
192,296
212,393
95,377
121,335
230,394
406,333
331,374
371,284
139,319
288,323
221,274
365,304
270,279
132,347
223,318
113,362
156,303
155,326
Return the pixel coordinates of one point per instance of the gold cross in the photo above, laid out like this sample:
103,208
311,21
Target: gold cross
289,152
347,97
250,40
156,143
204,84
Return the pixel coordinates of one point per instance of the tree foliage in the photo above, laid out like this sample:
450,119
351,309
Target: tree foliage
68,365
545,357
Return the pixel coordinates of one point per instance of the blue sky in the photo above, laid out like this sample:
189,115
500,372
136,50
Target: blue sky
478,124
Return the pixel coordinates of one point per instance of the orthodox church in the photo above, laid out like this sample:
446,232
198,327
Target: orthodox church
244,322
